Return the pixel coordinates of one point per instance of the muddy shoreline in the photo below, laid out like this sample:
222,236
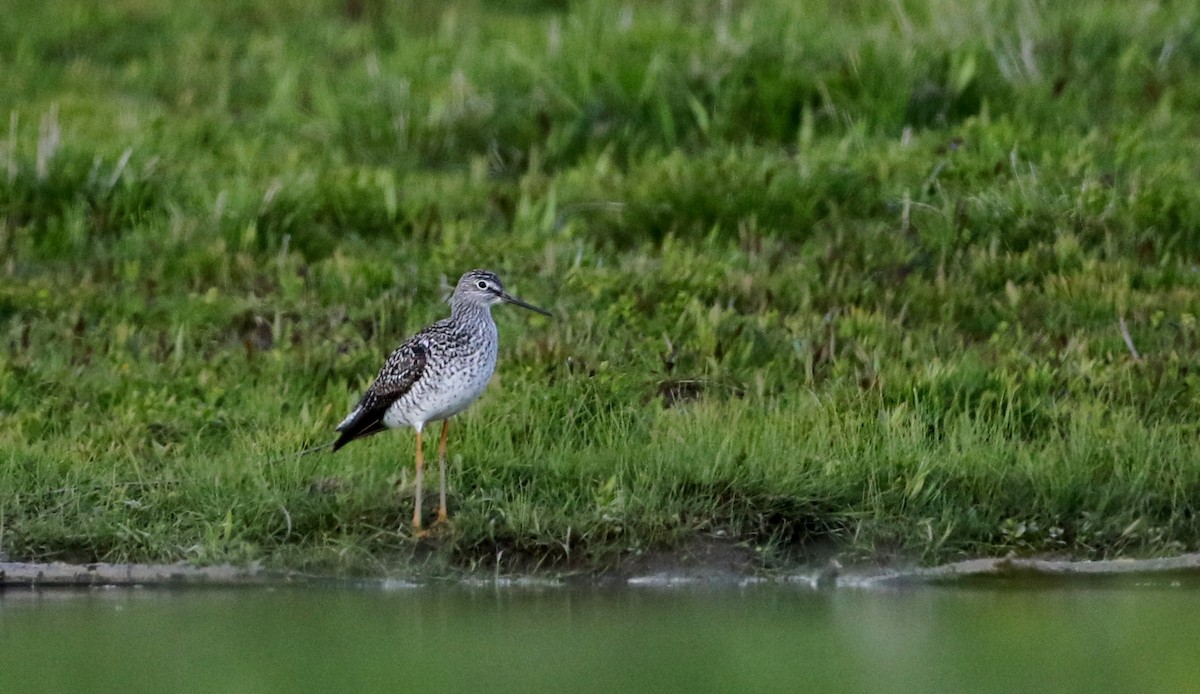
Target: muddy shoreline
986,571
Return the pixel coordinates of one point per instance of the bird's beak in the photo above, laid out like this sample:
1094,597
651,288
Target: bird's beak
510,299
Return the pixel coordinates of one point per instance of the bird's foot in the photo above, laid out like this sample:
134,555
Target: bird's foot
441,526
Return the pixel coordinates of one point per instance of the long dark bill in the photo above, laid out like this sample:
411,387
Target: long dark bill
509,298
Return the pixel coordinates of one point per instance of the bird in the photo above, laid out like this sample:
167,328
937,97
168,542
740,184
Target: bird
435,374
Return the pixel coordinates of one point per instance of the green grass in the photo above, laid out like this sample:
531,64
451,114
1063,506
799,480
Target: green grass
827,276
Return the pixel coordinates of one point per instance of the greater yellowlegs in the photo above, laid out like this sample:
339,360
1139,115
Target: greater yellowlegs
435,374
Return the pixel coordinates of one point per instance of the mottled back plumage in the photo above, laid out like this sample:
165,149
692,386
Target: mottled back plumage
401,370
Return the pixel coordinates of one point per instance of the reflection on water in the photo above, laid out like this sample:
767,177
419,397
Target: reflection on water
756,638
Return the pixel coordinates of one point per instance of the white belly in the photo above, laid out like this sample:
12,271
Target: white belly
442,393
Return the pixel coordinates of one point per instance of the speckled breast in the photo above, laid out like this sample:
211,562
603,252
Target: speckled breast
448,385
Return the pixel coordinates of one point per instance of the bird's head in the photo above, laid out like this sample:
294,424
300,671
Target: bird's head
484,288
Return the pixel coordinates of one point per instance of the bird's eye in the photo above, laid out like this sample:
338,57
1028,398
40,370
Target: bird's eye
481,284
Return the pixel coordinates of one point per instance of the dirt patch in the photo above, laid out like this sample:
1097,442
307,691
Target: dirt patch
703,559
708,561
102,574
1036,571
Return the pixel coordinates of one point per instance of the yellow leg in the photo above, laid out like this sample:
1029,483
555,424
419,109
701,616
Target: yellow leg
441,515
420,488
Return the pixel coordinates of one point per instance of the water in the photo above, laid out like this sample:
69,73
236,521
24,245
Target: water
756,638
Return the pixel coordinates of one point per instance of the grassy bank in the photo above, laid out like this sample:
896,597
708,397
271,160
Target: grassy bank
918,280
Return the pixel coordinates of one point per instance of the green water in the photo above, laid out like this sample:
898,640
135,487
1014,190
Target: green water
757,638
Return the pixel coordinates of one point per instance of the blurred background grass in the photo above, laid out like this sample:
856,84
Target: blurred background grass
827,276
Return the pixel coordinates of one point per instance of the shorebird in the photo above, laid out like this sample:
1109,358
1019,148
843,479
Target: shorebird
436,374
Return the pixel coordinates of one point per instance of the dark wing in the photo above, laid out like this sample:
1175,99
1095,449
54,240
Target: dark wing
402,369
